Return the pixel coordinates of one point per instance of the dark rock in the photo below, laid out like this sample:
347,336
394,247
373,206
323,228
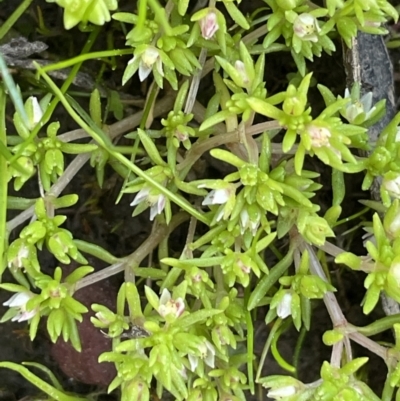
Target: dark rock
84,366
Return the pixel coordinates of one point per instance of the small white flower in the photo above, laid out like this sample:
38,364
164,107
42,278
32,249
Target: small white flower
207,353
392,186
247,223
209,25
148,59
169,306
319,136
306,27
355,108
282,392
34,111
156,202
284,308
18,301
217,197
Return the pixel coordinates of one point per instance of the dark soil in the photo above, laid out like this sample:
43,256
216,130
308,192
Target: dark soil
103,222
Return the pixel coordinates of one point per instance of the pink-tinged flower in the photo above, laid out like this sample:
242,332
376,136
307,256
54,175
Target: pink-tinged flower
18,301
207,353
148,59
156,202
284,308
169,306
209,25
319,136
306,27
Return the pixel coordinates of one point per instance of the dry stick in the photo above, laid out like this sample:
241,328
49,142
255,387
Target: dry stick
199,148
373,67
136,257
337,317
194,85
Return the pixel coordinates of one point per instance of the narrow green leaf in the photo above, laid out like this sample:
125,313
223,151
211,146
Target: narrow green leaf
151,149
265,284
51,391
196,317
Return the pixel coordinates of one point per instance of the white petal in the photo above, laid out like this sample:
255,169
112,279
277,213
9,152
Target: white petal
17,300
284,308
159,67
141,196
36,111
282,392
23,316
157,207
150,56
366,101
165,297
216,197
194,361
144,71
210,356
180,306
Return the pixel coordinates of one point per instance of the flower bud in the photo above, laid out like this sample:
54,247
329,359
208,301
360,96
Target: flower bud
33,111
244,77
209,25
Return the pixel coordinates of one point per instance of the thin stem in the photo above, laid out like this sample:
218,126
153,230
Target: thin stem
330,300
14,17
379,326
194,85
104,142
135,258
370,345
84,57
336,355
200,147
3,183
331,249
115,130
